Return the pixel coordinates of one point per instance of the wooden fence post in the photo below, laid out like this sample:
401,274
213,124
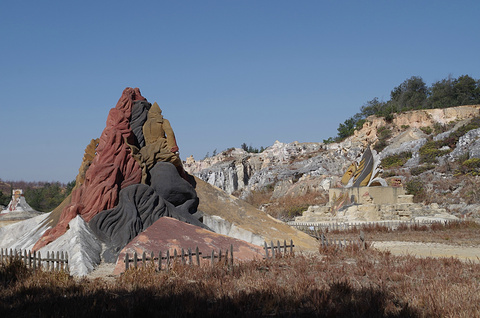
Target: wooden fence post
67,267
190,256
266,249
135,256
159,260
212,257
168,260
197,253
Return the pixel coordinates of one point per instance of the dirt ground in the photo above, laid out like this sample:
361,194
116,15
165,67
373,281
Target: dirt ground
463,253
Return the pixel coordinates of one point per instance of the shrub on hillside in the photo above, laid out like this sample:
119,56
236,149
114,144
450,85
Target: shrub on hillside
397,160
415,171
430,152
427,130
415,187
470,166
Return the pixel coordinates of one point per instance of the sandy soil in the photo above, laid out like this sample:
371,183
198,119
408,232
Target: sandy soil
464,253
104,271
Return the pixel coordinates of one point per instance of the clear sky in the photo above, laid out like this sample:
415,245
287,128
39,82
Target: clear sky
224,72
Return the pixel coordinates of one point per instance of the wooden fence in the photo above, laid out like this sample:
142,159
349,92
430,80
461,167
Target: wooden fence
340,244
317,228
164,261
53,261
276,250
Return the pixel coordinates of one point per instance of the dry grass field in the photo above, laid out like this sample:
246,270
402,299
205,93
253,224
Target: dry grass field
334,282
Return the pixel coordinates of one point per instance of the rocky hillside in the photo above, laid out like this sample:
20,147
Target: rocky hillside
435,153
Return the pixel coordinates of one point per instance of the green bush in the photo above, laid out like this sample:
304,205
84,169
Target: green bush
470,166
431,151
439,128
397,160
428,130
415,186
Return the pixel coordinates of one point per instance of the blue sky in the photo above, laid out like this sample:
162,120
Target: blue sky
224,72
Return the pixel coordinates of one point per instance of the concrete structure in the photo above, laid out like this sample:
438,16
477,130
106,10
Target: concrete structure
368,195
359,204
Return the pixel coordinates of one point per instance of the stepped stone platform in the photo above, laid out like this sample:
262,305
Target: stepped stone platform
364,204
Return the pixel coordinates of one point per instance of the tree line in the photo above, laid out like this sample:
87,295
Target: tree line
41,196
414,94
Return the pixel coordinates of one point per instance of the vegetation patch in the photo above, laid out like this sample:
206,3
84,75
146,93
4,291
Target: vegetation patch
383,134
415,186
427,130
414,94
415,171
397,160
469,167
430,152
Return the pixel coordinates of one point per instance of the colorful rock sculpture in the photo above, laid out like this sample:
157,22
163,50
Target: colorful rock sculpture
112,169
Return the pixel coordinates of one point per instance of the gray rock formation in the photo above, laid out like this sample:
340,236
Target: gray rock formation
139,116
279,165
468,143
141,205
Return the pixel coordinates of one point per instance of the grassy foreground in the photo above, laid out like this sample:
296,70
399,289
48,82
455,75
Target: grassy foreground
332,283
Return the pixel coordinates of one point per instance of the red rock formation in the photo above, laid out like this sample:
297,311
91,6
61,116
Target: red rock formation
170,234
112,169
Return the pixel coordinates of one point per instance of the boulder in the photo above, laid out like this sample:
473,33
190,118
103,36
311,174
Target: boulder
168,234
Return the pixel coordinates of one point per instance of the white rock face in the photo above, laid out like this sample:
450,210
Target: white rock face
81,245
281,165
23,235
221,226
468,143
79,242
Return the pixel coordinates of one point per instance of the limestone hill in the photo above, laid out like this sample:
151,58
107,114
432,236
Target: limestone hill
433,152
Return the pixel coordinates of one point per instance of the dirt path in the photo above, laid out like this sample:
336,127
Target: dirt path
104,271
464,253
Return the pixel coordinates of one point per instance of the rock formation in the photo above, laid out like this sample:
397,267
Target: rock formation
112,169
168,234
140,205
289,168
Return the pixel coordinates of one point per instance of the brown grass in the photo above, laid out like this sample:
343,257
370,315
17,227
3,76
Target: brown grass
465,233
286,207
332,283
